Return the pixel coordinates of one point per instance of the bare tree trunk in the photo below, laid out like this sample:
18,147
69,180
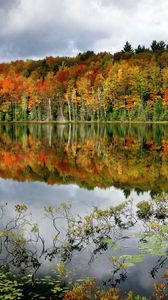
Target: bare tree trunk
60,113
49,134
49,110
69,109
73,112
99,101
98,114
69,136
76,113
105,112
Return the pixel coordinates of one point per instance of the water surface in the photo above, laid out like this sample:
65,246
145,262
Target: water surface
85,166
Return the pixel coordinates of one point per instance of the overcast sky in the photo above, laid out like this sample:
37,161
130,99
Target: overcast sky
39,28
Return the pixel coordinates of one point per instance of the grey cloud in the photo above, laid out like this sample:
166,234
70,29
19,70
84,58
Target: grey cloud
53,27
7,5
127,4
43,41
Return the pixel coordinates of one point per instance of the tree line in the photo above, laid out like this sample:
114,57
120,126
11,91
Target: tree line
128,85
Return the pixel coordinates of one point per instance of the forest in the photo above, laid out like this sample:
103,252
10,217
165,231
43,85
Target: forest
130,85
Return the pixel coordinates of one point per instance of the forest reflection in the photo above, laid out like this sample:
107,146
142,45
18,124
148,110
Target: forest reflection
125,156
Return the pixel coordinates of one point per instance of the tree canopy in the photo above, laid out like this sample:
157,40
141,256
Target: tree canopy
128,85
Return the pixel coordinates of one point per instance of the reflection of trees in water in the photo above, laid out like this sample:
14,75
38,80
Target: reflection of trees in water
125,156
83,132
23,248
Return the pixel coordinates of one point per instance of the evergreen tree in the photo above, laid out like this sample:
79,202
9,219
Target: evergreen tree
158,45
127,47
140,49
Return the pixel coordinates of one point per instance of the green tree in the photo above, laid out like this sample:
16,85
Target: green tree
127,47
157,111
140,49
158,45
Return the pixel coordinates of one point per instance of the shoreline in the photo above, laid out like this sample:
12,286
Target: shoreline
81,122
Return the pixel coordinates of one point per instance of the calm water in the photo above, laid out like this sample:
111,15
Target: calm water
85,166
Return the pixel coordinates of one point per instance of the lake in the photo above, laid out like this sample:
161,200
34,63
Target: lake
69,197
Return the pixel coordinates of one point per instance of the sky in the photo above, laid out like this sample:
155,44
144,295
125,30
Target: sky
33,29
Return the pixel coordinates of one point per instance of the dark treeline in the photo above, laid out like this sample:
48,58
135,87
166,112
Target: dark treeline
128,85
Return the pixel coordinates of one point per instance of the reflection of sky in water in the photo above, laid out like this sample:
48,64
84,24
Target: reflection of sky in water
38,194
